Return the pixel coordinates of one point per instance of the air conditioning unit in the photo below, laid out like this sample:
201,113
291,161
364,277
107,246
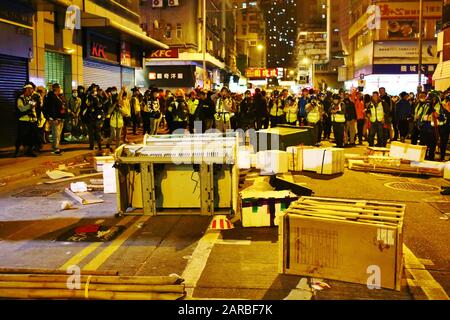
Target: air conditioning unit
173,3
157,3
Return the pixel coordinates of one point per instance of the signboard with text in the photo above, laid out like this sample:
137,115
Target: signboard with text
164,54
171,76
406,50
410,9
102,48
399,69
261,73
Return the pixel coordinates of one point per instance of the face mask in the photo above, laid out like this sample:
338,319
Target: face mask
75,94
422,100
113,93
94,93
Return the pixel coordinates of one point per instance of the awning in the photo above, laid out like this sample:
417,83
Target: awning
91,20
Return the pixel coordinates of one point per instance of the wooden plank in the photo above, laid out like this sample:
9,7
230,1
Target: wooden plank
381,213
347,215
84,176
354,201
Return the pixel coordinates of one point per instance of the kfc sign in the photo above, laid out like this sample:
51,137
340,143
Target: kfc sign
164,54
98,50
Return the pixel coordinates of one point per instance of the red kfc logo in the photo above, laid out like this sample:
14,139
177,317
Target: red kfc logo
98,50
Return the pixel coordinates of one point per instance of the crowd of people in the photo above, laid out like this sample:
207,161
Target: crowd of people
107,115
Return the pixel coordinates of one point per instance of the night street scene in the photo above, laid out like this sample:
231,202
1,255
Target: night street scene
256,152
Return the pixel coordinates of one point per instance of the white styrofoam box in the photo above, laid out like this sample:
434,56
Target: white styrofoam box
407,151
99,162
428,165
78,187
244,161
447,170
324,160
263,208
351,162
109,178
272,162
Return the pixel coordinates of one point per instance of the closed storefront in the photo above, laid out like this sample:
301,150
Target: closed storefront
13,74
103,74
58,70
16,32
108,62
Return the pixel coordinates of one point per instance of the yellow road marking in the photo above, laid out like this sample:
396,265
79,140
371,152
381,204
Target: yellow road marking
422,278
79,257
95,263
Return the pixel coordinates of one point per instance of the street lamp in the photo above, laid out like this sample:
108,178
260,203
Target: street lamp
306,60
260,47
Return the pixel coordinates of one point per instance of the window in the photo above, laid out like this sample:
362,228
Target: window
168,32
244,30
179,33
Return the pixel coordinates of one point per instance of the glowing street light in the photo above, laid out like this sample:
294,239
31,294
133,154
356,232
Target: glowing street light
260,47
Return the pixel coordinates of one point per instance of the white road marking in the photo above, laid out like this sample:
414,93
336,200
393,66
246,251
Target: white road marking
301,292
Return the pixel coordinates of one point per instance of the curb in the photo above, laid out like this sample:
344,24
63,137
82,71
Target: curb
44,167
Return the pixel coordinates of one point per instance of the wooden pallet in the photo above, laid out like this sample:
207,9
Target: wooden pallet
379,168
340,238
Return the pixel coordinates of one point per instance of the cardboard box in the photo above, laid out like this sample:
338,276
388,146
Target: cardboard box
99,162
447,170
295,157
263,208
439,166
407,151
347,240
324,160
272,162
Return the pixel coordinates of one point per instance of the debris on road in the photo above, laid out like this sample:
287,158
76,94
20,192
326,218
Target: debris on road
78,187
66,205
85,198
72,178
59,174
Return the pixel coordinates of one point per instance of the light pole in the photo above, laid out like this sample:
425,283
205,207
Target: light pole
419,86
205,72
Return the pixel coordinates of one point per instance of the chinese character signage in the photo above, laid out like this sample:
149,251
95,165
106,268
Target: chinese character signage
261,73
410,9
171,76
407,50
399,69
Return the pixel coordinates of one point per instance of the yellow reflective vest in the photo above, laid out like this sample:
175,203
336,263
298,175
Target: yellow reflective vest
24,104
277,108
313,115
376,112
192,105
339,116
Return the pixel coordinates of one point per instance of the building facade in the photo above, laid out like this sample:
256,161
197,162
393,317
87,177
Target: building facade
281,32
383,46
180,25
250,35
441,76
68,42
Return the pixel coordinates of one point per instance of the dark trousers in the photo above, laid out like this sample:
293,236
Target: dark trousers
146,122
136,120
396,130
315,131
444,132
25,135
376,128
386,135
262,123
274,121
327,124
179,125
94,134
428,138
338,130
415,135
191,123
360,126
403,128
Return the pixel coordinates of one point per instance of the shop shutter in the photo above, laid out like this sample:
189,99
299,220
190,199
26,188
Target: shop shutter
103,74
58,70
128,77
13,75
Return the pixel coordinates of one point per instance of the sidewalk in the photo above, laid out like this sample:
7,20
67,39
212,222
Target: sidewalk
13,170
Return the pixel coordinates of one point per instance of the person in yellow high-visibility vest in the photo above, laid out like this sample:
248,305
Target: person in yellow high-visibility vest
192,104
337,111
276,110
314,116
375,112
27,120
291,111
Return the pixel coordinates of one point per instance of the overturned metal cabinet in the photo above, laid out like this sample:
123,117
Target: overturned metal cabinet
179,174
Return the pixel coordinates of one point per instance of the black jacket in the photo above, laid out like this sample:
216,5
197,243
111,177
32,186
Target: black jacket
261,106
53,106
